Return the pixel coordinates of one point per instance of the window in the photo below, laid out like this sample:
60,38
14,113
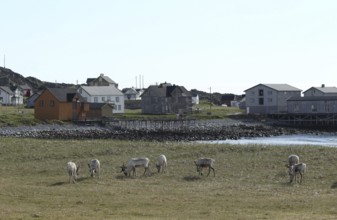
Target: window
261,101
326,106
270,100
313,108
119,107
260,92
270,92
95,99
297,107
252,101
51,103
1,100
103,99
117,99
41,103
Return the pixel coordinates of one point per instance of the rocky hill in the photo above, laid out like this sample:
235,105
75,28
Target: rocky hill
12,79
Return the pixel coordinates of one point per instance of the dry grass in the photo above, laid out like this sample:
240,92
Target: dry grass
251,182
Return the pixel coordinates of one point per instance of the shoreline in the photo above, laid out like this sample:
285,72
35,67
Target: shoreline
216,129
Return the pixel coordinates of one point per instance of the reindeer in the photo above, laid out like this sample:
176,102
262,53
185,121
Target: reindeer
94,167
204,162
161,163
72,169
297,169
136,162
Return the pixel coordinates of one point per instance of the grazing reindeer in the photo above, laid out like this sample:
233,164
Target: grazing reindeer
161,163
72,169
94,167
136,162
204,162
292,160
297,169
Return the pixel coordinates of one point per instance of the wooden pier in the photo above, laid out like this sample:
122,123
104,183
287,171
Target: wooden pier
307,120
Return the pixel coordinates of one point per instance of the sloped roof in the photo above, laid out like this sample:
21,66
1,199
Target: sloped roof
97,105
7,90
102,90
63,94
165,90
278,87
108,79
127,91
324,89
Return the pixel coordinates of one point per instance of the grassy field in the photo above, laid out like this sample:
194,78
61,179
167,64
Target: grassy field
251,182
18,115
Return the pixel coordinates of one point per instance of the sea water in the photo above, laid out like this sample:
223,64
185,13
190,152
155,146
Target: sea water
298,139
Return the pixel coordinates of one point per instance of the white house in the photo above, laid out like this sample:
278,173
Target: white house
320,91
195,100
132,94
269,98
103,94
8,97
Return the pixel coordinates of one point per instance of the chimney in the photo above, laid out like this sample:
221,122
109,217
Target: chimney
102,74
323,85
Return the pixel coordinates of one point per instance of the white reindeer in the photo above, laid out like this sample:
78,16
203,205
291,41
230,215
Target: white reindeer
297,169
72,169
161,163
94,167
205,162
292,160
136,162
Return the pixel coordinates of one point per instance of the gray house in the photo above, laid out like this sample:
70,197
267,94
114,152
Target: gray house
312,105
269,98
166,99
321,91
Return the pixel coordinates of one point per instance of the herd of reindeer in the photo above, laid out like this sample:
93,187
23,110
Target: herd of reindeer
295,168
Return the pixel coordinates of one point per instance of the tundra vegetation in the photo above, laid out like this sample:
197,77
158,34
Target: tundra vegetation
251,182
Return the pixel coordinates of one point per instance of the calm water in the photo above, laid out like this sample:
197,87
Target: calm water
300,139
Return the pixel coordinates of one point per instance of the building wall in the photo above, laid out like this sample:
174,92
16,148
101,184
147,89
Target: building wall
264,100
313,106
5,98
47,107
118,101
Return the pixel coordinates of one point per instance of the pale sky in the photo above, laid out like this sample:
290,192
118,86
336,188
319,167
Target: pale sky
226,45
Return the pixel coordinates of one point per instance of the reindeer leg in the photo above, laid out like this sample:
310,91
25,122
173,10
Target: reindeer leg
213,171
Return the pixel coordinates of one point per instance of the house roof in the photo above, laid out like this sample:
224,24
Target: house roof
7,90
108,79
313,98
165,90
63,94
278,87
100,105
102,90
131,91
324,89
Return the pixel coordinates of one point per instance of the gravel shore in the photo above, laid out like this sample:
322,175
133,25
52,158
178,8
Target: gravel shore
219,129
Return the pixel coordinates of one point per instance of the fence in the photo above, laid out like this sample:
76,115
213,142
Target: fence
152,124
